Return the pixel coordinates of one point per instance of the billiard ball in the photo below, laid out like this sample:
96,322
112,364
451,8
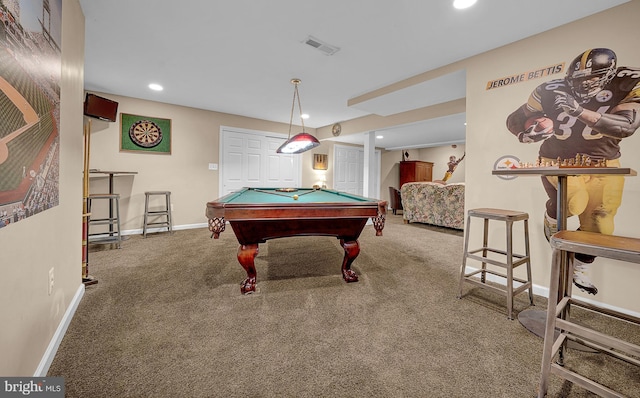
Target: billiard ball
295,197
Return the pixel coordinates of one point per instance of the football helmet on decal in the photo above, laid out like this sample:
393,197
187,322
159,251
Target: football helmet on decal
590,72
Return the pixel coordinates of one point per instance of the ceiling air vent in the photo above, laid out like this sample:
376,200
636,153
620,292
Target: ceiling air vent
326,49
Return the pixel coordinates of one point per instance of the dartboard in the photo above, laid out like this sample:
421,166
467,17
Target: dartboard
145,133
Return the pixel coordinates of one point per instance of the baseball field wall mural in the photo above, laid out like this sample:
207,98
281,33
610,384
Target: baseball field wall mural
30,69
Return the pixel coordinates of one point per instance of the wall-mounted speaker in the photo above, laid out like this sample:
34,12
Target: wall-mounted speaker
100,108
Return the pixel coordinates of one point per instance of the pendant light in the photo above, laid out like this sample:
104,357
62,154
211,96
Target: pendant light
300,142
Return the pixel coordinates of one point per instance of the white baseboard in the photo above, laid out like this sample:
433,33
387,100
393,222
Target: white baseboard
50,353
544,292
164,229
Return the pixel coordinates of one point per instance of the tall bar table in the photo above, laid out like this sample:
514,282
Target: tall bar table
534,320
86,278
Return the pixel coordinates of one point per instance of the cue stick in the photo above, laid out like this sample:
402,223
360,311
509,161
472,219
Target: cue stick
86,279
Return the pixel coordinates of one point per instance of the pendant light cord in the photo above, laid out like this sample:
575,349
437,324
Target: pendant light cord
293,105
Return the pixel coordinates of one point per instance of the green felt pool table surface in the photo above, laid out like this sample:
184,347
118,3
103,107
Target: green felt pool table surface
302,195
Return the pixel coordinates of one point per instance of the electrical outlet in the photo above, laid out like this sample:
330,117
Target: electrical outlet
51,281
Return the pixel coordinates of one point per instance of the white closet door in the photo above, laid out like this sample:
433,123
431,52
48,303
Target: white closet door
249,159
253,156
349,170
348,174
281,170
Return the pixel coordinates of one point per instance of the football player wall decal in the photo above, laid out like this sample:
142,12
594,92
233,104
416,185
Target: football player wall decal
452,164
591,110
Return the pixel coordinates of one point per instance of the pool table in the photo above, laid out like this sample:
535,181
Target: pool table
259,214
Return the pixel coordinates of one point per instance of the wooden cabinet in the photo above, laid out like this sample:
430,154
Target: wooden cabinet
415,170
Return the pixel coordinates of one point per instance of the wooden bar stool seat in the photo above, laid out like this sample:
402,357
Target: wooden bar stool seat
507,259
162,217
565,244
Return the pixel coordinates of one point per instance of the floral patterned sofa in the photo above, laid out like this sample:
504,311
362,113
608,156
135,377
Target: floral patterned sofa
433,203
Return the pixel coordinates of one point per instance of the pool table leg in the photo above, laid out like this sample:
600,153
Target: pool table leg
246,257
351,251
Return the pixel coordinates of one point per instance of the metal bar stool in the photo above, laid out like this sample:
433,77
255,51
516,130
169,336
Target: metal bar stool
565,244
166,212
112,235
511,259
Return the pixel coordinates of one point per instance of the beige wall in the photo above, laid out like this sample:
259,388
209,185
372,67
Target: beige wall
52,239
487,140
310,176
49,239
439,156
195,143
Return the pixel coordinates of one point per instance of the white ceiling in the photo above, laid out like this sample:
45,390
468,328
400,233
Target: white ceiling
239,56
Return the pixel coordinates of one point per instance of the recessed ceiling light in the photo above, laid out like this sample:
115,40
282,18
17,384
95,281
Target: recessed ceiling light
155,87
304,116
461,4
379,137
